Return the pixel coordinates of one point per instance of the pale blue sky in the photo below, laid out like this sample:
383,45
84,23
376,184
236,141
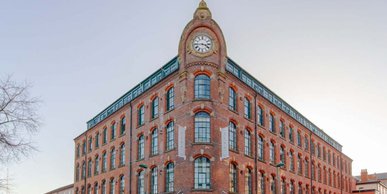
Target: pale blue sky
326,58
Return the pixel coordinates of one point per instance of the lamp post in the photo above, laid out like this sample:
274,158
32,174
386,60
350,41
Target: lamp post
279,165
144,166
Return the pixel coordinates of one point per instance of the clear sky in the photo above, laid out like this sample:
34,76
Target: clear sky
327,58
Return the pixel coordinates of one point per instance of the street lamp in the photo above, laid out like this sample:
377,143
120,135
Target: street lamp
279,165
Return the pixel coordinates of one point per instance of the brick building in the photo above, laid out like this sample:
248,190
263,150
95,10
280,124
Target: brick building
371,183
201,124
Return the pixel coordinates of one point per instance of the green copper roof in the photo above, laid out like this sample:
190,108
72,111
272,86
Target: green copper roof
145,85
261,89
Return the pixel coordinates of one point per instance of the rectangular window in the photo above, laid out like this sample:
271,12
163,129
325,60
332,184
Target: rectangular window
84,148
247,143
306,144
90,144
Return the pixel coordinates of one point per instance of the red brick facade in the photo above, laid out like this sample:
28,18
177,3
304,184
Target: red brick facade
329,178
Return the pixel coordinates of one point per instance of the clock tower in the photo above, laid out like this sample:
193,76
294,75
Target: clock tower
202,41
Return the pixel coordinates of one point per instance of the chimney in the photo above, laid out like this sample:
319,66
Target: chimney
363,175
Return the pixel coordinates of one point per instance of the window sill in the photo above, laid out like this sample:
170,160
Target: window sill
263,161
139,126
202,190
170,150
202,99
155,118
234,111
202,143
153,155
138,160
249,156
235,151
168,111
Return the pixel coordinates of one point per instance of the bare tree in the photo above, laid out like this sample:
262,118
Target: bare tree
18,120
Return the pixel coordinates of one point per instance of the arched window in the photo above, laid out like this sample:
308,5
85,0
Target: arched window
77,173
140,183
232,136
271,123
170,136
260,116
202,87
155,108
291,187
103,187
318,151
113,131
112,186
260,148
291,161
306,167
291,136
96,141
140,146
272,185
283,186
313,171
122,185
154,142
113,158
248,182
299,188
282,155
170,177
325,176
202,177
104,162
96,165
170,99
202,127
299,165
233,178
272,153
306,143
96,188
140,115
261,183
247,110
78,150
232,99
247,142
299,144
83,176
84,147
123,125
319,174
122,155
282,129
89,167
90,144
153,182
83,190
104,136
89,189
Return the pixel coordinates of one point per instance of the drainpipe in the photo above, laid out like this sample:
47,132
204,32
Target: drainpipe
86,164
311,160
256,146
130,150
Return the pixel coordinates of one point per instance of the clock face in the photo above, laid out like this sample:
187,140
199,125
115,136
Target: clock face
202,43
